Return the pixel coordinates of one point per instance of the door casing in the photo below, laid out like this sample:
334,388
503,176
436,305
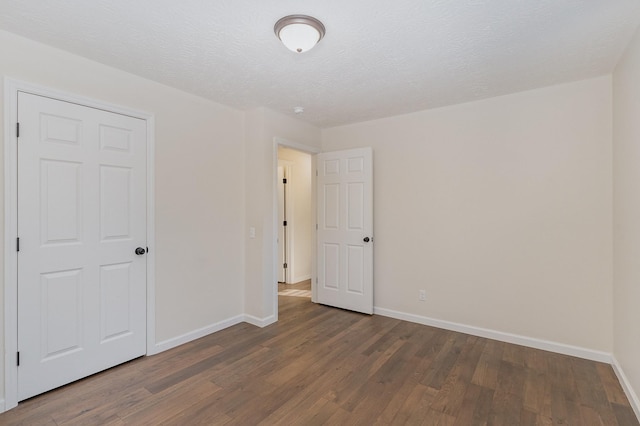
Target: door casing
11,89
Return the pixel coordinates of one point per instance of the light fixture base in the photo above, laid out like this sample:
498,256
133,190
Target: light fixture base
299,33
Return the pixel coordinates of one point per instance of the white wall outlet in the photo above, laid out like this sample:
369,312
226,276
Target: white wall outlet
422,295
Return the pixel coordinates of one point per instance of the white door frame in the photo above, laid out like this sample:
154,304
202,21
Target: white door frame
11,89
274,251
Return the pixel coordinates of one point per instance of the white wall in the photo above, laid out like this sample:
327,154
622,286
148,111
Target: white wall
501,209
262,126
199,182
300,223
626,196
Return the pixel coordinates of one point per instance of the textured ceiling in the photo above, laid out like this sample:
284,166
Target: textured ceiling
379,58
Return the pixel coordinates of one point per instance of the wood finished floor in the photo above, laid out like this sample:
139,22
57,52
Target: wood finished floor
320,365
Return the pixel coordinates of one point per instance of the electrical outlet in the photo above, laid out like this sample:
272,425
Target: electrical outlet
422,295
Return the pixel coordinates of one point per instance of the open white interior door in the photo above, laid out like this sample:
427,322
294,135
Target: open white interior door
345,229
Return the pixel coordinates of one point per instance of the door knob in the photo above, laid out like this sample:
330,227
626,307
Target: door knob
140,251
366,239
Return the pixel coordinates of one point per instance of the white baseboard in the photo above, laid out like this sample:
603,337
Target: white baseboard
301,278
626,386
204,331
2,406
501,336
259,322
196,334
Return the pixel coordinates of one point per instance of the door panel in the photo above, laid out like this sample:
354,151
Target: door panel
355,269
56,129
61,304
115,139
115,298
355,207
345,219
81,214
115,201
331,267
61,214
331,218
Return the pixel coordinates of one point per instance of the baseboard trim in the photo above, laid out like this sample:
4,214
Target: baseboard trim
626,386
165,345
301,278
196,334
3,408
545,345
259,322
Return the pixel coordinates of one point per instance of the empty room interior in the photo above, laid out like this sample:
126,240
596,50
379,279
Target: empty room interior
320,212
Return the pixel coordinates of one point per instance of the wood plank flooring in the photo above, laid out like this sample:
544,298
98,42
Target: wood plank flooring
320,365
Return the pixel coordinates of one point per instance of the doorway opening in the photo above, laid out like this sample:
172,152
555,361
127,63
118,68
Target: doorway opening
341,249
296,224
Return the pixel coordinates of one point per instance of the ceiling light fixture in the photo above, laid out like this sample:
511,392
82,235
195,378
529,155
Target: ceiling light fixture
299,32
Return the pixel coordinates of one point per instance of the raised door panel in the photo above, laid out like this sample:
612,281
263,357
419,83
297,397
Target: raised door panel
331,266
331,217
355,203
61,313
115,301
355,269
355,164
60,130
116,139
115,203
60,202
331,167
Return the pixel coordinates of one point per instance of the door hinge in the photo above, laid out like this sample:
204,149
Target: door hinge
284,223
284,181
18,244
316,226
284,266
18,358
316,172
17,130
147,249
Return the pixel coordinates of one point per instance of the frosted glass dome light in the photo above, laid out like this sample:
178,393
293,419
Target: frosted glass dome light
299,33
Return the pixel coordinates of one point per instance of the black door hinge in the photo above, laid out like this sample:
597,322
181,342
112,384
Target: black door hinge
284,181
18,244
17,130
18,358
285,266
284,223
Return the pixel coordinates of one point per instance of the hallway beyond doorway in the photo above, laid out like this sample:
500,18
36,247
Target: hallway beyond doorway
300,289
